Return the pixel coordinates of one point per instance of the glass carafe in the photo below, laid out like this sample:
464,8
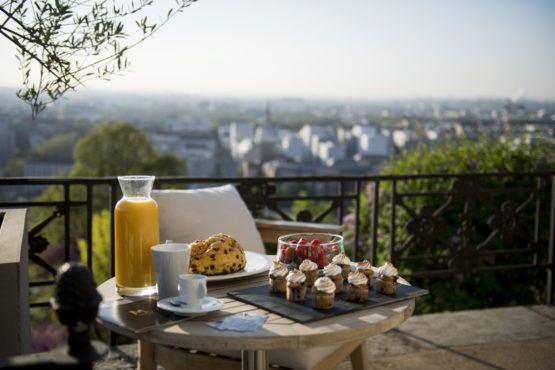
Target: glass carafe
136,230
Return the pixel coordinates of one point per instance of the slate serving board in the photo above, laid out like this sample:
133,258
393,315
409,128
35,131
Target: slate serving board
305,312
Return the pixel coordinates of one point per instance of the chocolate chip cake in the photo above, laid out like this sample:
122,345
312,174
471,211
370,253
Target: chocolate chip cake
219,254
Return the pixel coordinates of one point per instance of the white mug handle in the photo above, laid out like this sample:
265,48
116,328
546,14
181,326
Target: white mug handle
201,291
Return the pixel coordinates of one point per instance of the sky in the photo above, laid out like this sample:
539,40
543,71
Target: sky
362,49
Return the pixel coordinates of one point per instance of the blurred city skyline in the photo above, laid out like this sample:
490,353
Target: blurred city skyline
349,50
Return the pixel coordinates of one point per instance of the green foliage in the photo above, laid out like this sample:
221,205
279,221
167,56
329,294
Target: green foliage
122,149
59,148
101,246
485,154
13,167
64,43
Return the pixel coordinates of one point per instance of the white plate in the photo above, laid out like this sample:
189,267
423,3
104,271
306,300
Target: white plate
209,304
256,264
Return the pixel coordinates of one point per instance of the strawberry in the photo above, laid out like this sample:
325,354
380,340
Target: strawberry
322,261
302,248
282,257
288,255
314,249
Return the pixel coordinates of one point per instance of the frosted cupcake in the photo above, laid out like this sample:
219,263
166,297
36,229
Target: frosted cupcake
310,270
344,262
276,276
296,286
334,273
366,268
323,292
357,290
387,279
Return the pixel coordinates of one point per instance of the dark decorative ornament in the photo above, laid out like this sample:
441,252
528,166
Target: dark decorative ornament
37,244
426,227
256,195
507,222
467,230
304,216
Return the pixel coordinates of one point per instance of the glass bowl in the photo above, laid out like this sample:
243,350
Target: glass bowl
317,247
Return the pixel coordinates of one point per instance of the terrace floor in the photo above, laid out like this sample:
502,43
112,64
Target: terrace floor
521,337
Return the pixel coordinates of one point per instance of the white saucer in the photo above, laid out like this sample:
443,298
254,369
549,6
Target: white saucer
209,304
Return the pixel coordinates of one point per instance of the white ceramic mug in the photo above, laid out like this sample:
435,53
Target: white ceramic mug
192,290
170,261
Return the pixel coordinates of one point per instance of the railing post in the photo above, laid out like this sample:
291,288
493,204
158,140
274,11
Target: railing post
375,215
357,216
393,215
551,244
342,195
89,226
67,225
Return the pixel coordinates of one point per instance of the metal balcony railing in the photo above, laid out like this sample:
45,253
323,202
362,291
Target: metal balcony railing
427,225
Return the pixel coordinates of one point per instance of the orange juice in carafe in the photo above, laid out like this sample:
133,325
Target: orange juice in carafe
136,230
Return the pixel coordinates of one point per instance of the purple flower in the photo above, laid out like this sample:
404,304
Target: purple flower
460,277
348,243
370,192
47,336
54,254
350,220
455,239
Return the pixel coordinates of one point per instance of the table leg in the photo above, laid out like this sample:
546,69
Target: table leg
359,359
146,355
254,360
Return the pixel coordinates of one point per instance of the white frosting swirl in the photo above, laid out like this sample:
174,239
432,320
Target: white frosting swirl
296,277
388,270
332,270
341,259
324,284
364,265
308,265
278,269
357,278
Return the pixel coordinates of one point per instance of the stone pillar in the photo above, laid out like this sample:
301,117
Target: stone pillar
14,283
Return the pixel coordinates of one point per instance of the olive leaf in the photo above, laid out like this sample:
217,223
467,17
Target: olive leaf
62,44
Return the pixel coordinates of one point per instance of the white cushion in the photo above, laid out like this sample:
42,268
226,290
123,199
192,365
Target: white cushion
189,215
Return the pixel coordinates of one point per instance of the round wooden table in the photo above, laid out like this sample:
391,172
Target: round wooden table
349,330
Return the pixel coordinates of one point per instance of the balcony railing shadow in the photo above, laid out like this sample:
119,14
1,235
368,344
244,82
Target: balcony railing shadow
430,226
